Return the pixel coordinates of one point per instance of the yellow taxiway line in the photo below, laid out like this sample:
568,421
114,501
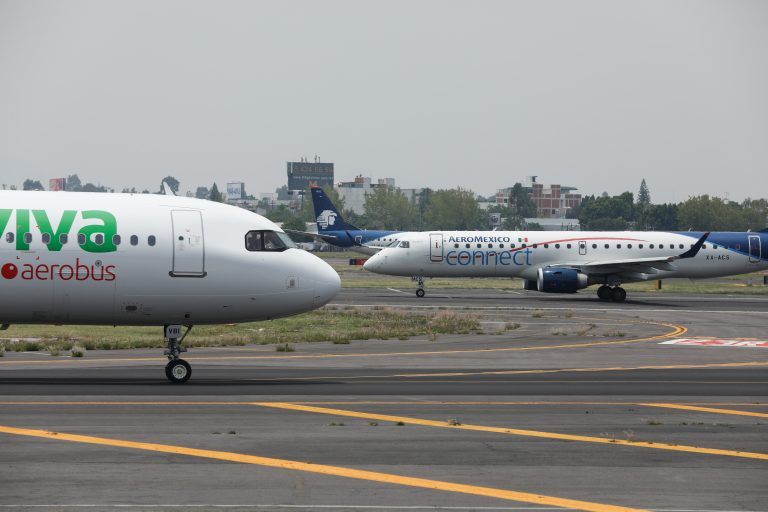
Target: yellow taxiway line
373,476
512,431
708,409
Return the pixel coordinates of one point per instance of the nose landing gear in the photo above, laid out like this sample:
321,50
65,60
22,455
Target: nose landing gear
177,370
420,290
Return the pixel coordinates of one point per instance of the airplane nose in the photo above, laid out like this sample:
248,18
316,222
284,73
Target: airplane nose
373,263
327,282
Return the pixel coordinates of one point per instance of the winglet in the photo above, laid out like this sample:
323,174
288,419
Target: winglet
693,251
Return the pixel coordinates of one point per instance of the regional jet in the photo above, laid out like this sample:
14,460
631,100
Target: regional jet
153,260
332,229
567,261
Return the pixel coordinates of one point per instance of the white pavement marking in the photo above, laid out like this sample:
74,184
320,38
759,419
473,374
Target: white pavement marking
717,342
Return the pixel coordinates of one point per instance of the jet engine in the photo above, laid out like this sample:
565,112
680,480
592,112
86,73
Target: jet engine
560,280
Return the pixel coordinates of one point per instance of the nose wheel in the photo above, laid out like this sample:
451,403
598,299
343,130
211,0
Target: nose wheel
178,371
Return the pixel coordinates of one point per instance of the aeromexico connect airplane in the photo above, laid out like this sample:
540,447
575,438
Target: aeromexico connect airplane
332,229
124,259
567,261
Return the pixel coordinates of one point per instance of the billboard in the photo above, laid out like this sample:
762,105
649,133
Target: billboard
235,190
57,184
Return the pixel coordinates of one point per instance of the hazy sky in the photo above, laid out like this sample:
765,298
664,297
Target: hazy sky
478,94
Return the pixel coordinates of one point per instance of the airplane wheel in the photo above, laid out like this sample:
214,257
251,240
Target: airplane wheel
604,292
618,294
420,293
178,371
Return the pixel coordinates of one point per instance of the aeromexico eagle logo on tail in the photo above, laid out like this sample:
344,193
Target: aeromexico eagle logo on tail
95,236
327,219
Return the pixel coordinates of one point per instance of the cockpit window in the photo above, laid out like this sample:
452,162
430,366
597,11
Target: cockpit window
267,241
405,244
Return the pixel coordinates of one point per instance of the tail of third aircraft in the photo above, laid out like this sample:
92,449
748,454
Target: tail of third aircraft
328,217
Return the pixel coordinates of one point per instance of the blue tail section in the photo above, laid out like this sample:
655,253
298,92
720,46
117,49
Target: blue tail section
327,216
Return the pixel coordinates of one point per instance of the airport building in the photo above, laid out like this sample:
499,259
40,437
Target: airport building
354,192
304,174
552,202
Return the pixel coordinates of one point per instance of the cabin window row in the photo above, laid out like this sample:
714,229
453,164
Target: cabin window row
595,246
98,239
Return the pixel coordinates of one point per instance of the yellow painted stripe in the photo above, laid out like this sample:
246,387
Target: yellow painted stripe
709,409
322,469
375,402
676,331
513,431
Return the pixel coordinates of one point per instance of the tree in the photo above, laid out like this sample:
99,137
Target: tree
215,195
172,182
202,193
73,183
295,223
32,185
643,195
704,213
90,187
607,213
388,208
454,209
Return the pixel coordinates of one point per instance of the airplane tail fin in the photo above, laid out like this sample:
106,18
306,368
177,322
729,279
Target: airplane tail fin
328,217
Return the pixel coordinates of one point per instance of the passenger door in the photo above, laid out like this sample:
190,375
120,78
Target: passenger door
754,248
436,247
188,244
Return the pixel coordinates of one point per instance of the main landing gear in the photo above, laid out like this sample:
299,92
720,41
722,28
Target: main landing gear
616,294
177,370
420,290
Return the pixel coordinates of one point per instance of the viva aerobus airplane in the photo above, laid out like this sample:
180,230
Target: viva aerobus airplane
567,261
153,260
332,229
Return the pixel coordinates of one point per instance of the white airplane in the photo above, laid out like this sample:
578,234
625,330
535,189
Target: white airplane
125,259
567,261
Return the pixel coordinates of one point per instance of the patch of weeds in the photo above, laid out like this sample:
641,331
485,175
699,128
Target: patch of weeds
54,351
684,423
654,422
614,334
31,346
402,338
399,424
77,351
454,422
537,314
373,424
2,350
285,347
511,326
341,342
559,332
433,336
334,424
569,314
232,433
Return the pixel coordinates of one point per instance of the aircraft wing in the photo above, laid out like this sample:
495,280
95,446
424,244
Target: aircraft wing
634,266
318,237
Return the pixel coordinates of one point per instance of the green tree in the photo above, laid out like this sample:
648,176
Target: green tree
215,195
643,195
202,193
388,208
454,209
90,187
607,213
658,217
172,182
704,213
32,185
73,183
295,223
755,213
